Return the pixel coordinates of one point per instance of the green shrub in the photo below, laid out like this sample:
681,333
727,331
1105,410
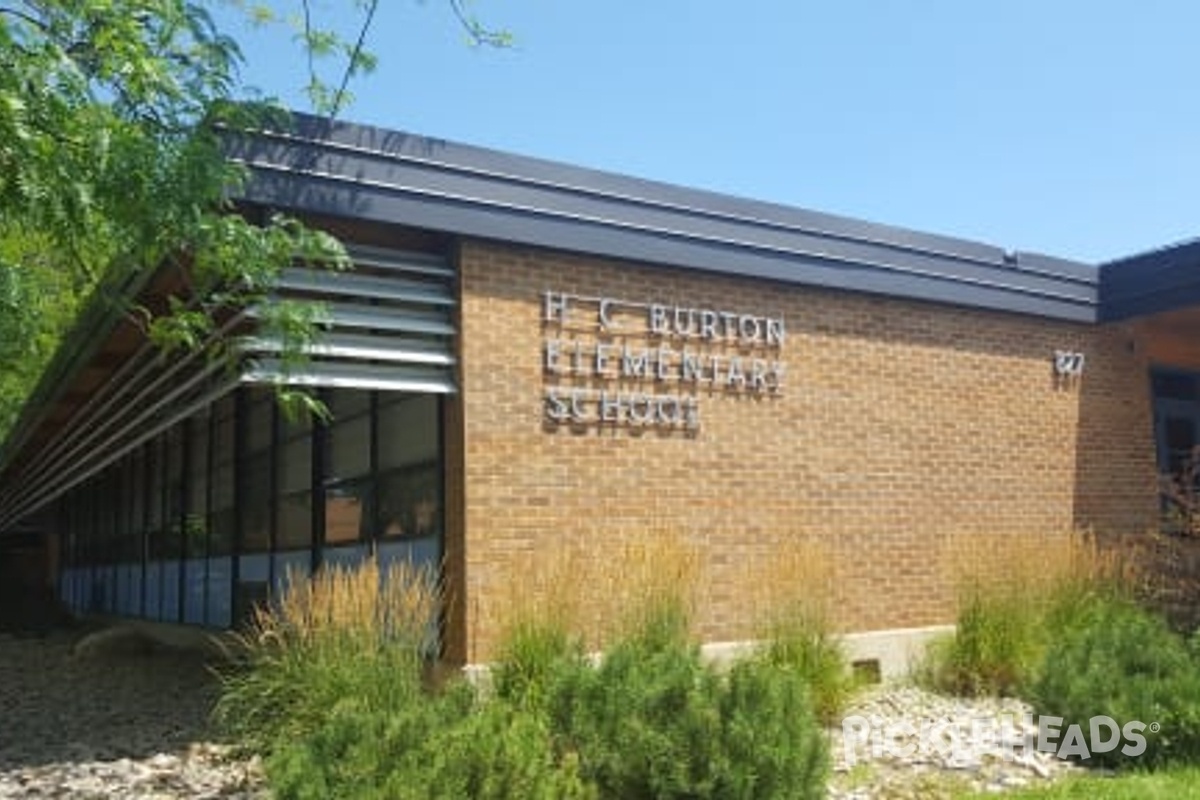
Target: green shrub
771,745
450,747
497,753
361,750
654,721
1118,660
645,722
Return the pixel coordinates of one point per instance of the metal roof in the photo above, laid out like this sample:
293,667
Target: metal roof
1163,279
361,172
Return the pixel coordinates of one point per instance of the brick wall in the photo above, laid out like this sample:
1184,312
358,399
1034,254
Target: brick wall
1115,480
903,430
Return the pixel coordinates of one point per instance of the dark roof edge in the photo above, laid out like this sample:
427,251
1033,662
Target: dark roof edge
362,172
486,162
1162,279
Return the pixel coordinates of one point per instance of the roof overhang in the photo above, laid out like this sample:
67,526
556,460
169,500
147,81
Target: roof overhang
1162,280
362,172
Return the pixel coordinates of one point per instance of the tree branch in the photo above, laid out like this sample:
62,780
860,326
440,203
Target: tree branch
308,45
352,66
478,33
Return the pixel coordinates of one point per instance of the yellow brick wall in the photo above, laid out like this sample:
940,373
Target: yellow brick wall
903,429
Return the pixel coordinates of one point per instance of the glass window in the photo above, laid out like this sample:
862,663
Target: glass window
410,502
154,501
260,404
347,403
195,527
220,532
120,511
195,576
408,430
295,425
293,514
137,501
256,501
347,511
219,592
255,471
1174,385
220,517
350,448
170,597
295,465
223,430
173,500
153,590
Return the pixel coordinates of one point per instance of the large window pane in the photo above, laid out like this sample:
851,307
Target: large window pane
173,500
410,502
255,475
347,403
154,502
220,592
295,465
153,590
195,576
221,517
293,514
350,448
347,511
137,503
408,430
349,436
170,591
259,415
223,430
221,520
195,527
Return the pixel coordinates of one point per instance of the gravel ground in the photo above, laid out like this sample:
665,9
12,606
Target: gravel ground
107,723
110,725
994,750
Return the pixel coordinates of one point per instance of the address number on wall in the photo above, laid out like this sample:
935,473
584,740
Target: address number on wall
1068,363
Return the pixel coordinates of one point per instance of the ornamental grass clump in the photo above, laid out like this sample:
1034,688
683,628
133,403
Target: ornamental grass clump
345,636
794,593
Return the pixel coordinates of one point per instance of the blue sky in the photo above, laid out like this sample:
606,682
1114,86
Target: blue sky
1067,127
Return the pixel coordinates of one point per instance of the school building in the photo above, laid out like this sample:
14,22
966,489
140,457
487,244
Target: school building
532,359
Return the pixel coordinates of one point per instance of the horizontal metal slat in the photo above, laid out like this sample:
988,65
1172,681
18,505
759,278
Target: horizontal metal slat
351,376
399,261
365,286
358,316
350,315
398,349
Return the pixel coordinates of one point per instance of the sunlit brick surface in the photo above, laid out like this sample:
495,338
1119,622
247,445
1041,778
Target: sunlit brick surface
903,429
